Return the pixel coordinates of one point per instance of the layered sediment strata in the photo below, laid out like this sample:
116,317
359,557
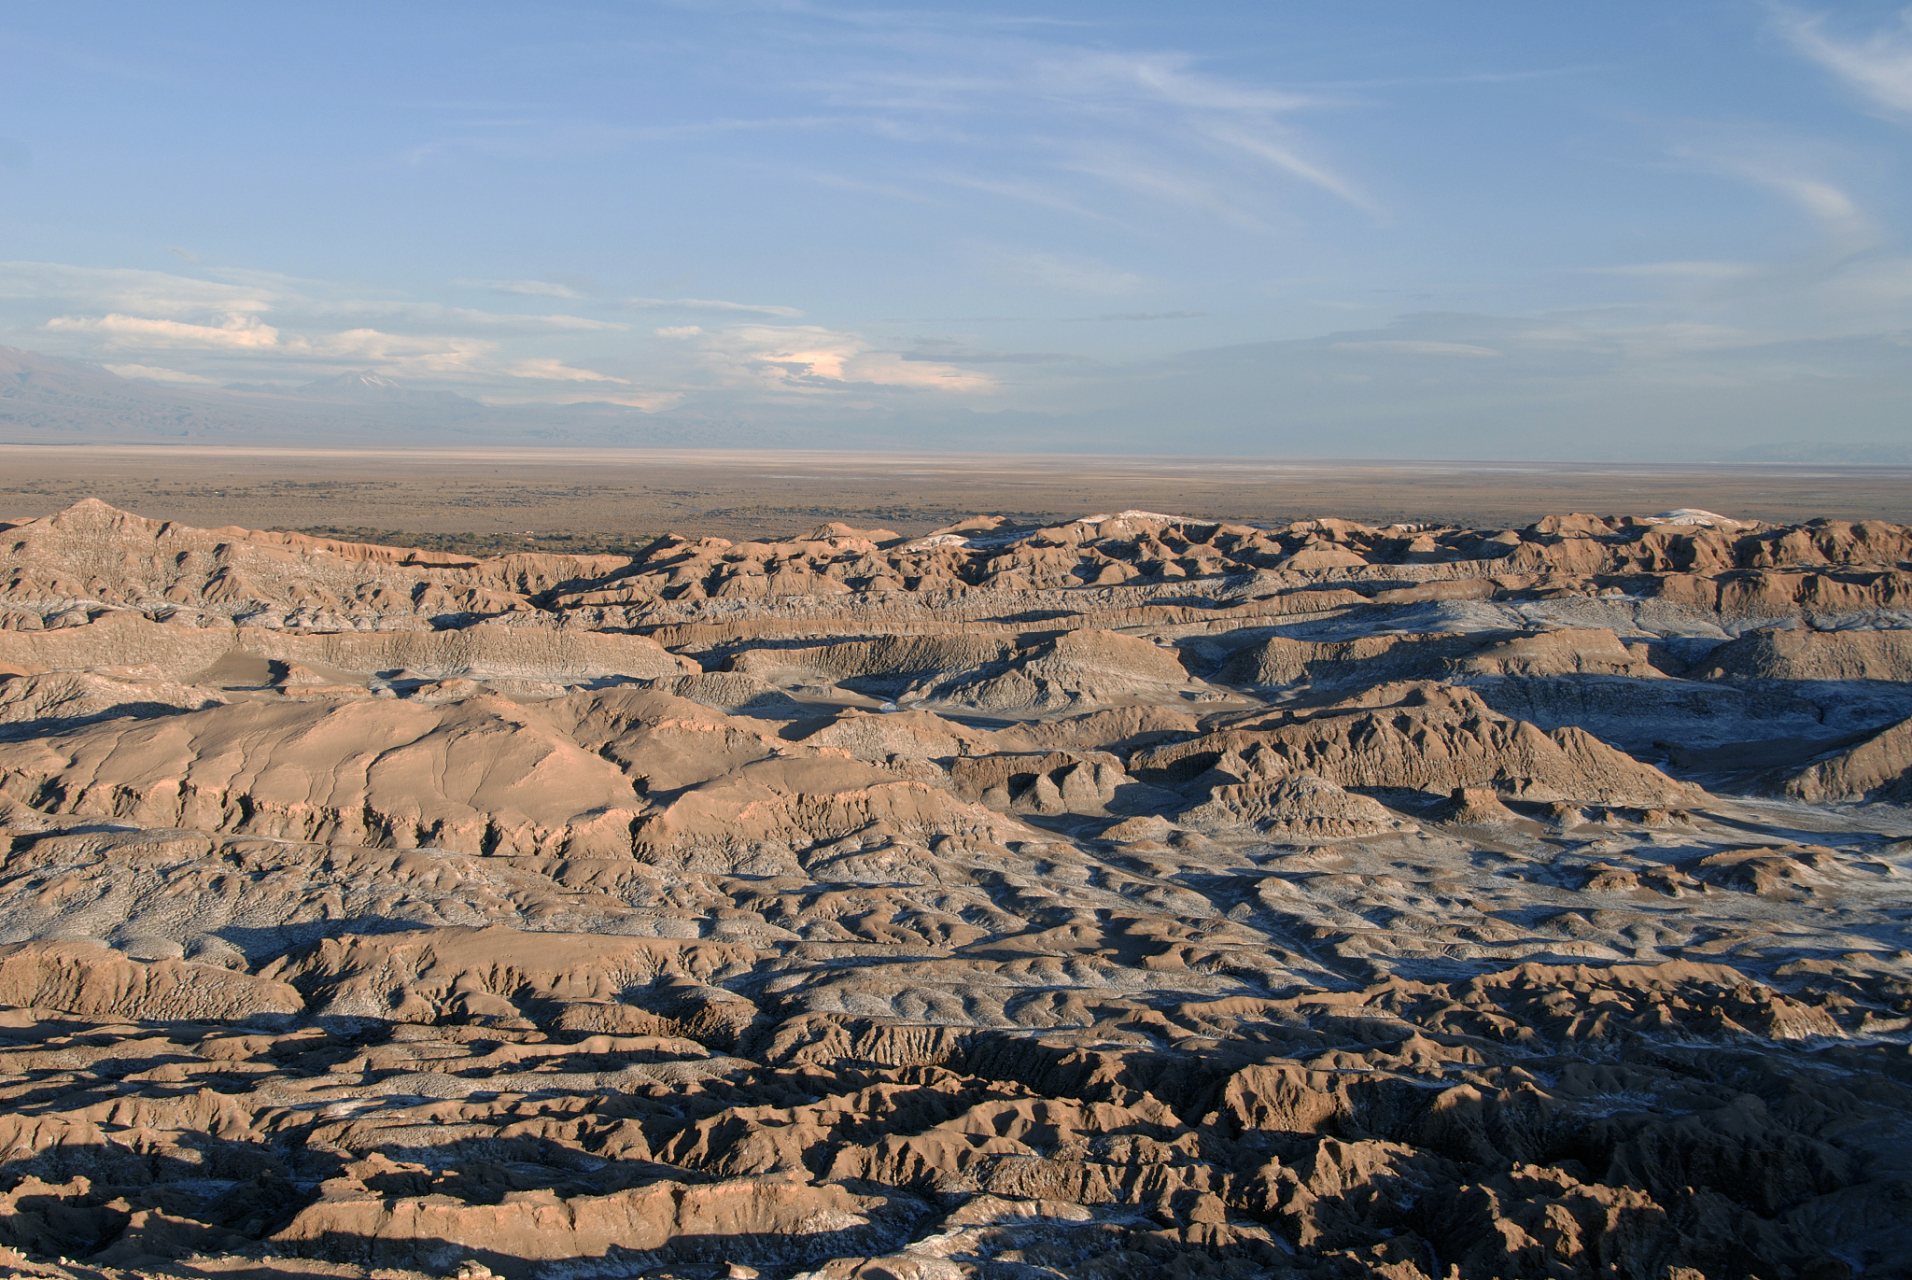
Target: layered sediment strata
1141,894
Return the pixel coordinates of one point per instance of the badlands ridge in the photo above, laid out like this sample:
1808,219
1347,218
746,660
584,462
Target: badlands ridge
1135,896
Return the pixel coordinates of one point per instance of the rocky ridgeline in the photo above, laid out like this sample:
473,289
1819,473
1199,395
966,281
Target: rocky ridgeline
1131,896
68,567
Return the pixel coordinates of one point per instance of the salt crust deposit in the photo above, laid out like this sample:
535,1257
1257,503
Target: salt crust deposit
1138,896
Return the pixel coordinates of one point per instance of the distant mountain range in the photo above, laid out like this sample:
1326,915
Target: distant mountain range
1863,453
363,387
48,400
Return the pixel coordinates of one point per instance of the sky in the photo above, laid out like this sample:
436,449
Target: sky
1389,229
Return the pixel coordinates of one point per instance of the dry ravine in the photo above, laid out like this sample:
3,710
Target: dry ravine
1138,896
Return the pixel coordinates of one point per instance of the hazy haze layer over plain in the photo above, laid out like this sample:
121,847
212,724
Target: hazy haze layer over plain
734,493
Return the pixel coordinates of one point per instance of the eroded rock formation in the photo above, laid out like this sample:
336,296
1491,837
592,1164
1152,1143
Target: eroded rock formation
1136,896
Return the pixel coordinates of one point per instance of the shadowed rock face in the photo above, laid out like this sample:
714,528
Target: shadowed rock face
1129,897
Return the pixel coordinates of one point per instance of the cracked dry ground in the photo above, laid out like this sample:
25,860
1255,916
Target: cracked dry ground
1140,896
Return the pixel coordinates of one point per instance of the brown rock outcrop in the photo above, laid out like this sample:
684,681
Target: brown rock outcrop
85,978
1771,654
476,775
67,698
432,974
1426,738
1371,660
1880,768
764,1219
1297,806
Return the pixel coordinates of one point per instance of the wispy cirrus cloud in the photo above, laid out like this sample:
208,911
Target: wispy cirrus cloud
133,291
647,401
1877,66
1165,178
863,186
949,354
186,329
1066,272
1170,77
1797,169
812,360
467,318
1027,192
1416,347
551,370
541,136
713,305
524,288
1698,269
1040,115
1826,202
1286,159
430,354
236,332
157,373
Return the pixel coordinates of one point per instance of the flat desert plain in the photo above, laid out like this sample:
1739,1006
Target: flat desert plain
742,495
946,868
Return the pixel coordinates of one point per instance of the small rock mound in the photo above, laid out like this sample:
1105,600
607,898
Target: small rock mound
733,693
1880,768
1301,806
1478,807
1078,668
1774,654
1424,737
87,979
68,699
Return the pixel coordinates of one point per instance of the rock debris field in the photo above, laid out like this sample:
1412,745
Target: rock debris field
1139,896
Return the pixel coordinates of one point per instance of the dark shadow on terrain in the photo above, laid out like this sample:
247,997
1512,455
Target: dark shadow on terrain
1636,714
776,1256
104,1080
247,1188
1679,1127
262,943
25,839
486,1170
1744,761
49,726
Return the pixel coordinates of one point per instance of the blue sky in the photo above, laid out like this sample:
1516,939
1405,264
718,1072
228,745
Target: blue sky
1466,229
